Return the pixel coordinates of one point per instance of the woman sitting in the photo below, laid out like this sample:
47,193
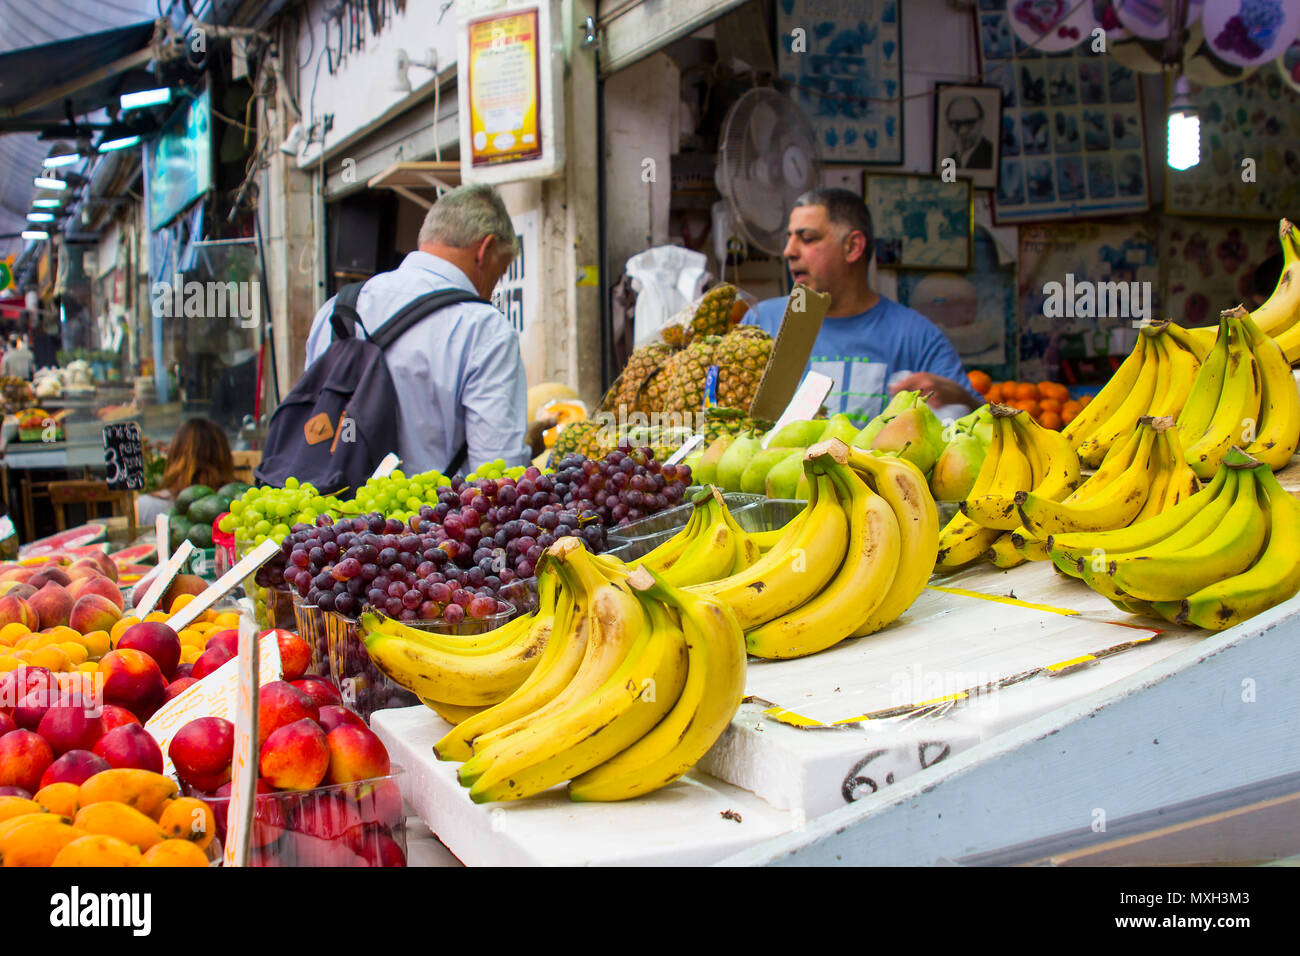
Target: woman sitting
199,455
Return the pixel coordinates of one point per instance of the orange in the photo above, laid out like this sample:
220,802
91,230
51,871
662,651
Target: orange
1028,405
1083,402
1026,392
980,381
1050,420
1053,390
1069,411
1049,405
994,395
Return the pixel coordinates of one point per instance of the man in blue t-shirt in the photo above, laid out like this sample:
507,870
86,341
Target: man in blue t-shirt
865,339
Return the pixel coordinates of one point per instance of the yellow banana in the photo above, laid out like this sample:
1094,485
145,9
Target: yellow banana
1197,411
1183,366
1002,552
644,688
795,569
1197,341
747,550
1237,411
1109,400
1277,432
1281,311
710,698
846,602
904,487
1227,551
666,554
1164,468
1274,578
1055,474
1133,406
1028,546
962,541
453,713
710,556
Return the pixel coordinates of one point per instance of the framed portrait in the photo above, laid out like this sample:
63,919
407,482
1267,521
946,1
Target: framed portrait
968,131
921,222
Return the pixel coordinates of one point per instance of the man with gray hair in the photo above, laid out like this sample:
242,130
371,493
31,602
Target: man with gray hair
458,372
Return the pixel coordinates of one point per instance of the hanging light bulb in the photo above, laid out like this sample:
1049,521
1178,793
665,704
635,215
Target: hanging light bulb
1184,131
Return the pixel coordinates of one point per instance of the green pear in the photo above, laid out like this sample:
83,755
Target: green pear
916,434
735,460
842,427
900,403
692,461
707,470
957,467
754,479
803,490
978,423
783,480
799,434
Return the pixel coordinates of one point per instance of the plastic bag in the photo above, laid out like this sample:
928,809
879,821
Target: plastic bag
667,279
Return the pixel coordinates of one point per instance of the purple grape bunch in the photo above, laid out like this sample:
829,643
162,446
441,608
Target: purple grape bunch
626,485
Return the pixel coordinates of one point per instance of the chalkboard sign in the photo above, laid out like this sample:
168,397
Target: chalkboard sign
124,457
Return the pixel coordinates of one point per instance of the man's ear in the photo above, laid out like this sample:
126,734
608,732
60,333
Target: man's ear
483,254
855,247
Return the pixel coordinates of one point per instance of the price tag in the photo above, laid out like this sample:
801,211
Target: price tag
162,578
162,537
243,771
387,466
124,456
227,582
807,402
685,450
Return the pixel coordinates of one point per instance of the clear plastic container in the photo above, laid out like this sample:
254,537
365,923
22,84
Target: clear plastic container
770,514
349,824
674,519
364,687
310,622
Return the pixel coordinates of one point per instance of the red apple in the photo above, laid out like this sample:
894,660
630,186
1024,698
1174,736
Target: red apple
381,803
319,689
209,661
295,654
270,814
71,724
356,754
155,639
336,715
202,750
75,766
132,679
295,757
280,704
24,757
304,849
130,747
115,717
177,687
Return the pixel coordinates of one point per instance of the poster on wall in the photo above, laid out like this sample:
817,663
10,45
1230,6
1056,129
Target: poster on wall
1209,265
1250,152
1073,142
505,89
975,310
1082,285
844,60
921,222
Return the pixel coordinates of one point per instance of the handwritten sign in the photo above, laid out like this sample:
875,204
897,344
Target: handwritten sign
387,466
227,582
243,768
159,580
807,402
124,456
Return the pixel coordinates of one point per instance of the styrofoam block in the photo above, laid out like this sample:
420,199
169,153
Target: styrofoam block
681,825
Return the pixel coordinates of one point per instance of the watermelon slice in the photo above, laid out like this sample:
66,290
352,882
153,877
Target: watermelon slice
77,537
99,548
131,573
136,555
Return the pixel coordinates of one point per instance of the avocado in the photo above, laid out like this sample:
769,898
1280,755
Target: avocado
208,509
233,490
200,535
177,529
190,495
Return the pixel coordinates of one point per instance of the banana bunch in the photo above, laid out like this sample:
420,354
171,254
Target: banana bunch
1139,478
451,673
1022,456
638,681
1155,380
1216,558
846,566
711,545
1244,395
1279,317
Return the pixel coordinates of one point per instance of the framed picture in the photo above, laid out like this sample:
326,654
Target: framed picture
968,131
921,222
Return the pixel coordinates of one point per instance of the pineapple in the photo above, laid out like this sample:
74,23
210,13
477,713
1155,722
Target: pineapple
644,363
741,357
683,376
713,312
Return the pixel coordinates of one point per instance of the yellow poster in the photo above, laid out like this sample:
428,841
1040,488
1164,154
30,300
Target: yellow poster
504,89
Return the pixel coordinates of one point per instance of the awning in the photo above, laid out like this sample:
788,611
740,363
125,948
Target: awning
88,71
632,29
418,181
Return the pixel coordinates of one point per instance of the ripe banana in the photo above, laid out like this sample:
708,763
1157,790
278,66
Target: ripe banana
1003,554
1196,341
1028,546
1274,578
861,583
807,557
1054,470
1277,432
1237,410
1132,406
1228,550
645,687
453,713
666,554
1182,367
962,540
710,556
1108,401
714,688
1197,411
1112,506
903,486
1281,311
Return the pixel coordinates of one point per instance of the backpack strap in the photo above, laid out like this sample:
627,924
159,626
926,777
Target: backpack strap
345,318
457,460
417,309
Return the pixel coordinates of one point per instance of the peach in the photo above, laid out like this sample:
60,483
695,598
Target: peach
374,846
381,803
202,750
155,639
279,704
47,575
356,753
82,568
52,605
115,717
17,589
270,815
15,684
130,746
98,584
227,640
22,575
132,679
295,655
319,689
209,661
93,612
6,724
177,687
24,757
75,766
72,724
326,815
336,715
107,566
295,757
182,584
15,610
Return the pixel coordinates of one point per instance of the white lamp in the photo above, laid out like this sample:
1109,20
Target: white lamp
1184,130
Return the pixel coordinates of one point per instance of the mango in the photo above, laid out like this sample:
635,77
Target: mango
144,790
118,820
99,850
174,853
189,819
38,843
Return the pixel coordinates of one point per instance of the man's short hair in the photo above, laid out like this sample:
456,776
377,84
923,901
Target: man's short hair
463,216
979,107
843,208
